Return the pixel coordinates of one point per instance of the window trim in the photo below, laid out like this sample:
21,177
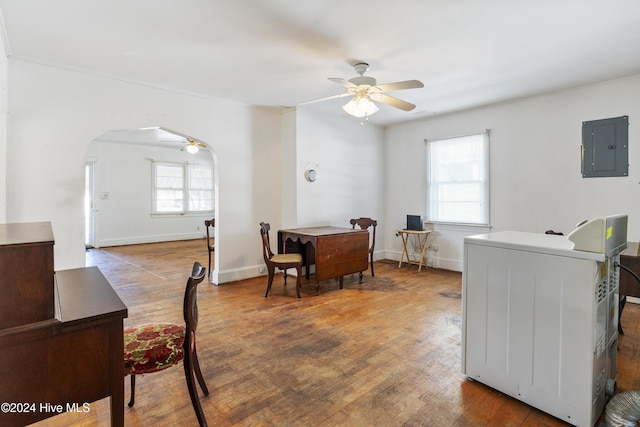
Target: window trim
485,181
186,180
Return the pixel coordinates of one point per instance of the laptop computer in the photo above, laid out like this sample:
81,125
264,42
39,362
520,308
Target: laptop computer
414,222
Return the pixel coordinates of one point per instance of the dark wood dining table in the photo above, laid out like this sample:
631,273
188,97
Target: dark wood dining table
335,251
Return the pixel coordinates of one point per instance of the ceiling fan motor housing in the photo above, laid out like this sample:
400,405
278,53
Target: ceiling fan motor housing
363,81
361,67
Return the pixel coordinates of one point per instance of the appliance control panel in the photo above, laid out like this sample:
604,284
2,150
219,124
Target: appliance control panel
604,235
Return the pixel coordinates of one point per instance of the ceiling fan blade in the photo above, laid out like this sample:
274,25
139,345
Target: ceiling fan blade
407,84
192,142
313,101
343,82
394,102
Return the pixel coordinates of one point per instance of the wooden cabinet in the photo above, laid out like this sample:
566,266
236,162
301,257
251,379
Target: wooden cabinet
61,333
26,282
629,286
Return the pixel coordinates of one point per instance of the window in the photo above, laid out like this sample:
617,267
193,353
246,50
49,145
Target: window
182,188
458,179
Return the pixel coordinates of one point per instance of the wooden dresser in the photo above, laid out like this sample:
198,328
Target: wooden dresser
61,333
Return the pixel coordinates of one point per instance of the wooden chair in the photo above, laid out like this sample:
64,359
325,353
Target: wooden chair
211,242
158,346
280,261
365,223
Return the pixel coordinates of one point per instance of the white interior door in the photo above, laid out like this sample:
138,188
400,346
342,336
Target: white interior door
89,205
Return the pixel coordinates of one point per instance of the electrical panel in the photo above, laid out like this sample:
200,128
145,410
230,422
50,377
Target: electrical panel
605,147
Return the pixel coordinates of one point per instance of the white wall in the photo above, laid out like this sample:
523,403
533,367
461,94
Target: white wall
536,182
55,114
124,173
288,170
349,159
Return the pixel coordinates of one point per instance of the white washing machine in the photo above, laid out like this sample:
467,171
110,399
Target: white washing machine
540,316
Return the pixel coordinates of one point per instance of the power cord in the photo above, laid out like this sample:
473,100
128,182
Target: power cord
623,299
628,270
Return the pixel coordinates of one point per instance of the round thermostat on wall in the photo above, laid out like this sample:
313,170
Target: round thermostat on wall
310,175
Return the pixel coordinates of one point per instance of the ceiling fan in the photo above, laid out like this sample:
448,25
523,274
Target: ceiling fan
192,146
365,90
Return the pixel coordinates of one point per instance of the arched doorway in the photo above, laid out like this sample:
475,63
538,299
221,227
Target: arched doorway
149,185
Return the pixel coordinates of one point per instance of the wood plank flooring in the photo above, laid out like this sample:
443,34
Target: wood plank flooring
382,353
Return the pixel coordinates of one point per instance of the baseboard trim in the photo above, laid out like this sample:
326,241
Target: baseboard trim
104,243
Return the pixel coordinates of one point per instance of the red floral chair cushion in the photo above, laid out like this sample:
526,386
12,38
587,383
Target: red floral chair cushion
152,347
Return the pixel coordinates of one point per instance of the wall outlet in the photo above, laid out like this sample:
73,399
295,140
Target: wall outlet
261,269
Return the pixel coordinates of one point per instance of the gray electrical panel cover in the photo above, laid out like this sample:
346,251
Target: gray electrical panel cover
605,147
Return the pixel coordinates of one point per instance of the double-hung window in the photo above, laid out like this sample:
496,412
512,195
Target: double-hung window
458,179
181,188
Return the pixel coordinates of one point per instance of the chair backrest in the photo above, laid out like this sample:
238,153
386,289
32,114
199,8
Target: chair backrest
266,245
365,223
190,309
209,223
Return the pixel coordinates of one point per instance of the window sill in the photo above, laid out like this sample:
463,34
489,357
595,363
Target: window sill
180,214
458,226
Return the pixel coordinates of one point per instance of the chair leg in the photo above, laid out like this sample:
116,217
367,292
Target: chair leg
209,270
285,276
372,274
298,285
199,377
360,275
133,391
193,393
270,281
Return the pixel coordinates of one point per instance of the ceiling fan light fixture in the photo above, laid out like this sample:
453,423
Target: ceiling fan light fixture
192,147
360,106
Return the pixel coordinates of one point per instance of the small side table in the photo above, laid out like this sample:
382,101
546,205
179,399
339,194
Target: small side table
421,237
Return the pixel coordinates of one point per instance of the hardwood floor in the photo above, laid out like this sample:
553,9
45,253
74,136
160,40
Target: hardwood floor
383,353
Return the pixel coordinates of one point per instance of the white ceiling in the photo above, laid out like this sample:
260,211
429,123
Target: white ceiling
279,53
